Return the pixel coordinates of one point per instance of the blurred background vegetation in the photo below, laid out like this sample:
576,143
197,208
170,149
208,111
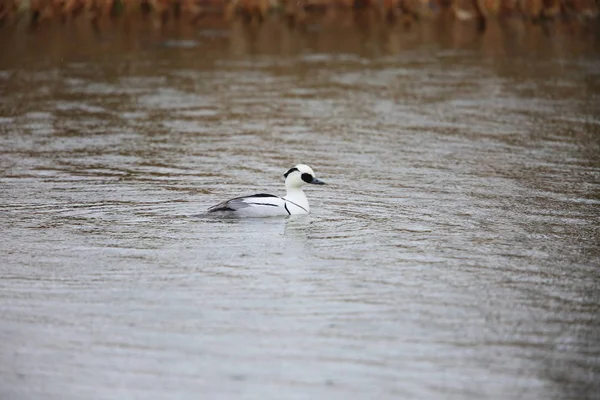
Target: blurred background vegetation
96,12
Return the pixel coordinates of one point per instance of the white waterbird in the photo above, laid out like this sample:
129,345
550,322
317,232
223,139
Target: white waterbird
269,205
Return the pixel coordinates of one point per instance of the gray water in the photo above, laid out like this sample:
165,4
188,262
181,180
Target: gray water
453,254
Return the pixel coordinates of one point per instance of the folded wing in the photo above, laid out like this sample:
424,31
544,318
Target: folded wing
260,203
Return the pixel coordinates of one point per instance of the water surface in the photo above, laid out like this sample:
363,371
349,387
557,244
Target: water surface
452,255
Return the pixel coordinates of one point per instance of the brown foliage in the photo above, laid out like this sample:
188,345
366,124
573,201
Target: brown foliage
39,11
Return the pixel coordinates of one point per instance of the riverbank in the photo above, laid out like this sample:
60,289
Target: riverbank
32,13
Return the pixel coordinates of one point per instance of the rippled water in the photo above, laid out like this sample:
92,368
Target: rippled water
453,255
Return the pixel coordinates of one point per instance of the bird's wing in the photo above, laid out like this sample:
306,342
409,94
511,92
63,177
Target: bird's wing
257,200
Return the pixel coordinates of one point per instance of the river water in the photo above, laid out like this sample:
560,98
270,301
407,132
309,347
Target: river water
454,253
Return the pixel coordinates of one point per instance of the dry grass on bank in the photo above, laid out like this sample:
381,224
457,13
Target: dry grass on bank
194,11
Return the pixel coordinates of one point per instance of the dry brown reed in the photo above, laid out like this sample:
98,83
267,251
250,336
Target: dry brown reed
194,11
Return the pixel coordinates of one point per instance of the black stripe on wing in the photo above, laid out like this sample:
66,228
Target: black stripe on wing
257,195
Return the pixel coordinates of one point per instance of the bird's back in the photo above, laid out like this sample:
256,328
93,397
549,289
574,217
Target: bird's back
257,205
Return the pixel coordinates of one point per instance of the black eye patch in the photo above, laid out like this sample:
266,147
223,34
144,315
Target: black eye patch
308,178
289,172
